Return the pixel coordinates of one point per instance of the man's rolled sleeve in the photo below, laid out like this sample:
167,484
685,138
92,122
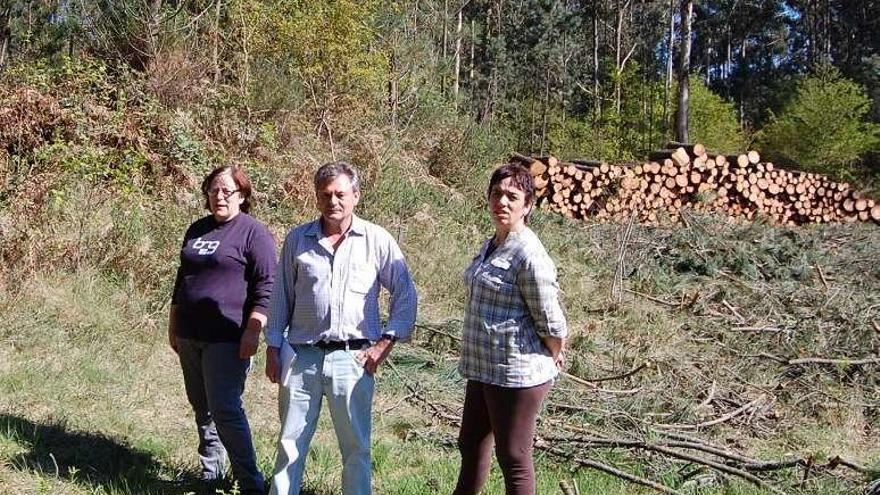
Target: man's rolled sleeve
540,290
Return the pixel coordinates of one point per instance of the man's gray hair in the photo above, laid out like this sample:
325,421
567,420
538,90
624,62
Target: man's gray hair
332,170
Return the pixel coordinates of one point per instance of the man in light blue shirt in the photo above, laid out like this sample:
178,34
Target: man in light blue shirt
324,335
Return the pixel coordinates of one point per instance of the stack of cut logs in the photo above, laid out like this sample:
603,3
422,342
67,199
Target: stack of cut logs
686,177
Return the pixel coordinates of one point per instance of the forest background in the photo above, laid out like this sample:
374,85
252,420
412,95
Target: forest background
112,111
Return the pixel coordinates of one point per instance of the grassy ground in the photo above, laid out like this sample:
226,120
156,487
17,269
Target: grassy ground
93,401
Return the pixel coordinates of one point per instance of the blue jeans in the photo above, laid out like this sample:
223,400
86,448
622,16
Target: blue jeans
338,376
214,376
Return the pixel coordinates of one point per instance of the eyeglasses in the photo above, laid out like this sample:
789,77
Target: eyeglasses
222,192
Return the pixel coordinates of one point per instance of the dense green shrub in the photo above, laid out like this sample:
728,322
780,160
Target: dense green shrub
713,121
824,127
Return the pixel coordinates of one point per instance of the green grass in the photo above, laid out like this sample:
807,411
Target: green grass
93,400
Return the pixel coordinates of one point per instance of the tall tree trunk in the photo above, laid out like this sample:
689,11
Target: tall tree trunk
670,44
153,27
443,46
744,65
215,51
473,52
563,83
5,33
618,55
493,28
546,107
727,61
684,67
457,79
245,81
596,99
393,91
826,32
708,61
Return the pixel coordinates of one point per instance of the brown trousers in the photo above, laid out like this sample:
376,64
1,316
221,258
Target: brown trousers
504,416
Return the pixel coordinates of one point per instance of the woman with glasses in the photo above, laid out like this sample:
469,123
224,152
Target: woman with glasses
218,309
512,342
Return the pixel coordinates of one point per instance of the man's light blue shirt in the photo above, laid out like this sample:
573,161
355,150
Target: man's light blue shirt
320,294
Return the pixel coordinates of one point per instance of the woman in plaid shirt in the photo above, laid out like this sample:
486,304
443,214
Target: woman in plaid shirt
512,344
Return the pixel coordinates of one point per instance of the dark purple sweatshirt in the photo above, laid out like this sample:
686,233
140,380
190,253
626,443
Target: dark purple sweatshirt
226,272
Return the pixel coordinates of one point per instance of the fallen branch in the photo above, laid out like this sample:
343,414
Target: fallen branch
737,281
842,361
605,468
619,377
441,332
593,386
655,299
839,461
724,468
765,328
822,277
397,404
778,359
597,438
709,397
722,419
414,394
775,465
434,329
566,488
668,450
745,463
733,311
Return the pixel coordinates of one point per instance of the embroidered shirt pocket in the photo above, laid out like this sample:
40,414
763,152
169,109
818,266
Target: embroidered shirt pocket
497,276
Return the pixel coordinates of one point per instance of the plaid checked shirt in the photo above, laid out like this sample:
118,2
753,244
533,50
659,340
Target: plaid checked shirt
512,303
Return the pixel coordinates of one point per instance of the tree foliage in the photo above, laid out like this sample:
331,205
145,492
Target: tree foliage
573,78
713,121
824,127
329,47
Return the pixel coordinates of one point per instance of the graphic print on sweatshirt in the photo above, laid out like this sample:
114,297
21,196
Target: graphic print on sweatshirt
205,248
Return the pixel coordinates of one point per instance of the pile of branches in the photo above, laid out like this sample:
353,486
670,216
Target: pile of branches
687,177
750,360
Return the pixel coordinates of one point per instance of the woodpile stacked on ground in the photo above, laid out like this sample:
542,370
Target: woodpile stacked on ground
685,177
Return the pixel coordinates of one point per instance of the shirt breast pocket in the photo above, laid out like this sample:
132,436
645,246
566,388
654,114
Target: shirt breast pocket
498,280
361,280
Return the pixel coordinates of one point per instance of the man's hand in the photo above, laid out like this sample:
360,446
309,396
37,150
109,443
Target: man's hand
273,364
375,355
